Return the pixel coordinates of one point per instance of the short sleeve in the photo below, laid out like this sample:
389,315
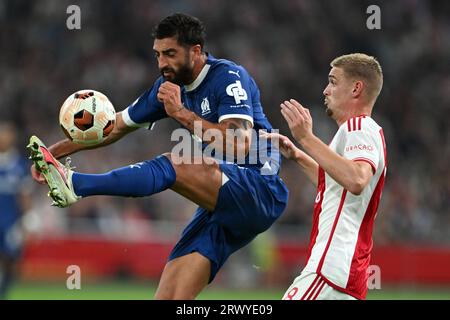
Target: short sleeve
362,145
146,109
234,92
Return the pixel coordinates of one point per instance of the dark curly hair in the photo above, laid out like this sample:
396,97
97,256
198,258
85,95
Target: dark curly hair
189,30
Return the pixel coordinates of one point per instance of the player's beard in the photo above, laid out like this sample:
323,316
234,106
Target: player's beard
181,77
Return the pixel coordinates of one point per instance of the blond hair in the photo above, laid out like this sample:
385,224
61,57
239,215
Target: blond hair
360,66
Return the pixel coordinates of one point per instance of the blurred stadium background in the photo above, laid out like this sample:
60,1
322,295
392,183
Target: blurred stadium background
121,244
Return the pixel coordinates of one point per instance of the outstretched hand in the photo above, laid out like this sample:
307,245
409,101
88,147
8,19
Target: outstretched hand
298,118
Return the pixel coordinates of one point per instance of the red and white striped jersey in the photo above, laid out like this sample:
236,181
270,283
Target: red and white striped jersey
341,238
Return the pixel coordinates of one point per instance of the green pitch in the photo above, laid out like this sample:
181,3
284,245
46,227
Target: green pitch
145,291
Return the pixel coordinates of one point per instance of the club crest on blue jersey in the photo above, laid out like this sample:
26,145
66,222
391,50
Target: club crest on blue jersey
223,90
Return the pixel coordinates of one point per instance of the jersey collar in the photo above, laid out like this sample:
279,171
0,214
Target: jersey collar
201,76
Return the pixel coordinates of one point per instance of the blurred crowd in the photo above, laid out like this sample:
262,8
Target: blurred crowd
287,46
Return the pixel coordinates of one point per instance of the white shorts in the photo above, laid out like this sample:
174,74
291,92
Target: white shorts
311,286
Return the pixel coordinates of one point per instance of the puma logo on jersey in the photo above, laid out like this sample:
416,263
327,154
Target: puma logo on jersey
234,72
136,165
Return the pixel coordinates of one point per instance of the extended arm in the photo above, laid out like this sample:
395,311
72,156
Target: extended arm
233,135
66,147
307,164
352,175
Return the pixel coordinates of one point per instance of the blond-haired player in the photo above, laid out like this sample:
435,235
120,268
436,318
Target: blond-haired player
349,175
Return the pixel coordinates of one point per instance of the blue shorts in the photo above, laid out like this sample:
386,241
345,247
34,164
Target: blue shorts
248,204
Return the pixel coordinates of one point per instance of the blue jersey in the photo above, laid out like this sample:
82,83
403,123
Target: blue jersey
249,201
223,90
13,171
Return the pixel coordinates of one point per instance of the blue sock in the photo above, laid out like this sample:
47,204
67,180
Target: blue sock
138,180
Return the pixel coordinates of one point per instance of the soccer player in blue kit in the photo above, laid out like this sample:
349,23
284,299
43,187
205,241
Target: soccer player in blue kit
14,202
237,199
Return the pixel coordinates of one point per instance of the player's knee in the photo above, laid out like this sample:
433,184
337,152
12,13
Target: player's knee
175,160
179,161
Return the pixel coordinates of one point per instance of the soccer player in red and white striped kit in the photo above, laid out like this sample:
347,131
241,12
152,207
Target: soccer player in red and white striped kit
349,175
